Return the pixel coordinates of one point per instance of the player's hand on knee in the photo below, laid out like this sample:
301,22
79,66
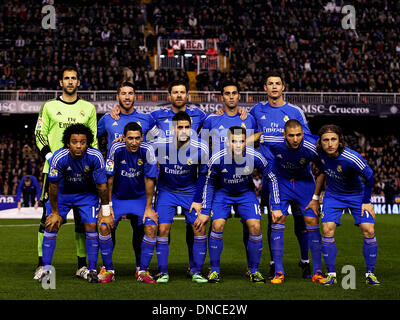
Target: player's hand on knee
151,214
115,111
276,215
314,206
201,221
369,208
108,221
196,206
53,222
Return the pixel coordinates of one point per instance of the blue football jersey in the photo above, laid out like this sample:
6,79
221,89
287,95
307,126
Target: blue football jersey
217,127
163,118
180,168
288,163
343,175
77,177
130,168
236,178
271,120
115,128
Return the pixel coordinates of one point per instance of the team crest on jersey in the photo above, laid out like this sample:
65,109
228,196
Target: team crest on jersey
211,213
82,113
140,162
246,170
86,169
261,139
109,165
53,172
286,118
302,161
189,161
339,168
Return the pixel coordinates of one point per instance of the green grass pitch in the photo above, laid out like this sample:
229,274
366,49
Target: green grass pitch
18,261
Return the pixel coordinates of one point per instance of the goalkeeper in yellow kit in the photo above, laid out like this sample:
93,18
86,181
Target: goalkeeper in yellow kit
54,117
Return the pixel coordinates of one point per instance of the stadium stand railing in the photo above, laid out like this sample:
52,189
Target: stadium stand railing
213,96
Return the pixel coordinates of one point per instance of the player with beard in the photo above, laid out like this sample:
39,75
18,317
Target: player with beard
114,129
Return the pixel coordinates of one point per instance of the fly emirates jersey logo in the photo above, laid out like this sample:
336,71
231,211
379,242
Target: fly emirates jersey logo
132,173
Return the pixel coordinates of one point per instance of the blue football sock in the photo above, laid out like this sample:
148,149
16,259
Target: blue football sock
314,242
329,251
254,249
246,234
277,245
370,252
199,253
92,248
162,251
300,230
48,247
148,246
190,242
215,246
106,250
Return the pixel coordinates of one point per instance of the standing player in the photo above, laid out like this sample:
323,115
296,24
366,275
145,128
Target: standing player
182,160
126,100
55,115
230,182
77,179
132,170
216,126
343,168
178,95
292,156
114,130
271,117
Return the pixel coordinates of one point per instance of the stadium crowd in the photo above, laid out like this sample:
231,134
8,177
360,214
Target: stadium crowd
315,53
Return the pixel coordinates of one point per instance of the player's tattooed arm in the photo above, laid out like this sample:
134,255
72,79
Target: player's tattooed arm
105,217
54,220
149,211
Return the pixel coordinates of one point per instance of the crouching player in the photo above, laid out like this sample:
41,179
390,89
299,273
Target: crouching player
77,179
132,170
343,169
293,153
182,159
230,182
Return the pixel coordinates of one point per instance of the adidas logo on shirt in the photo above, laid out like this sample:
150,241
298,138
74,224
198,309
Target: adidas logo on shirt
223,171
166,120
221,127
115,123
69,169
59,113
123,162
263,118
